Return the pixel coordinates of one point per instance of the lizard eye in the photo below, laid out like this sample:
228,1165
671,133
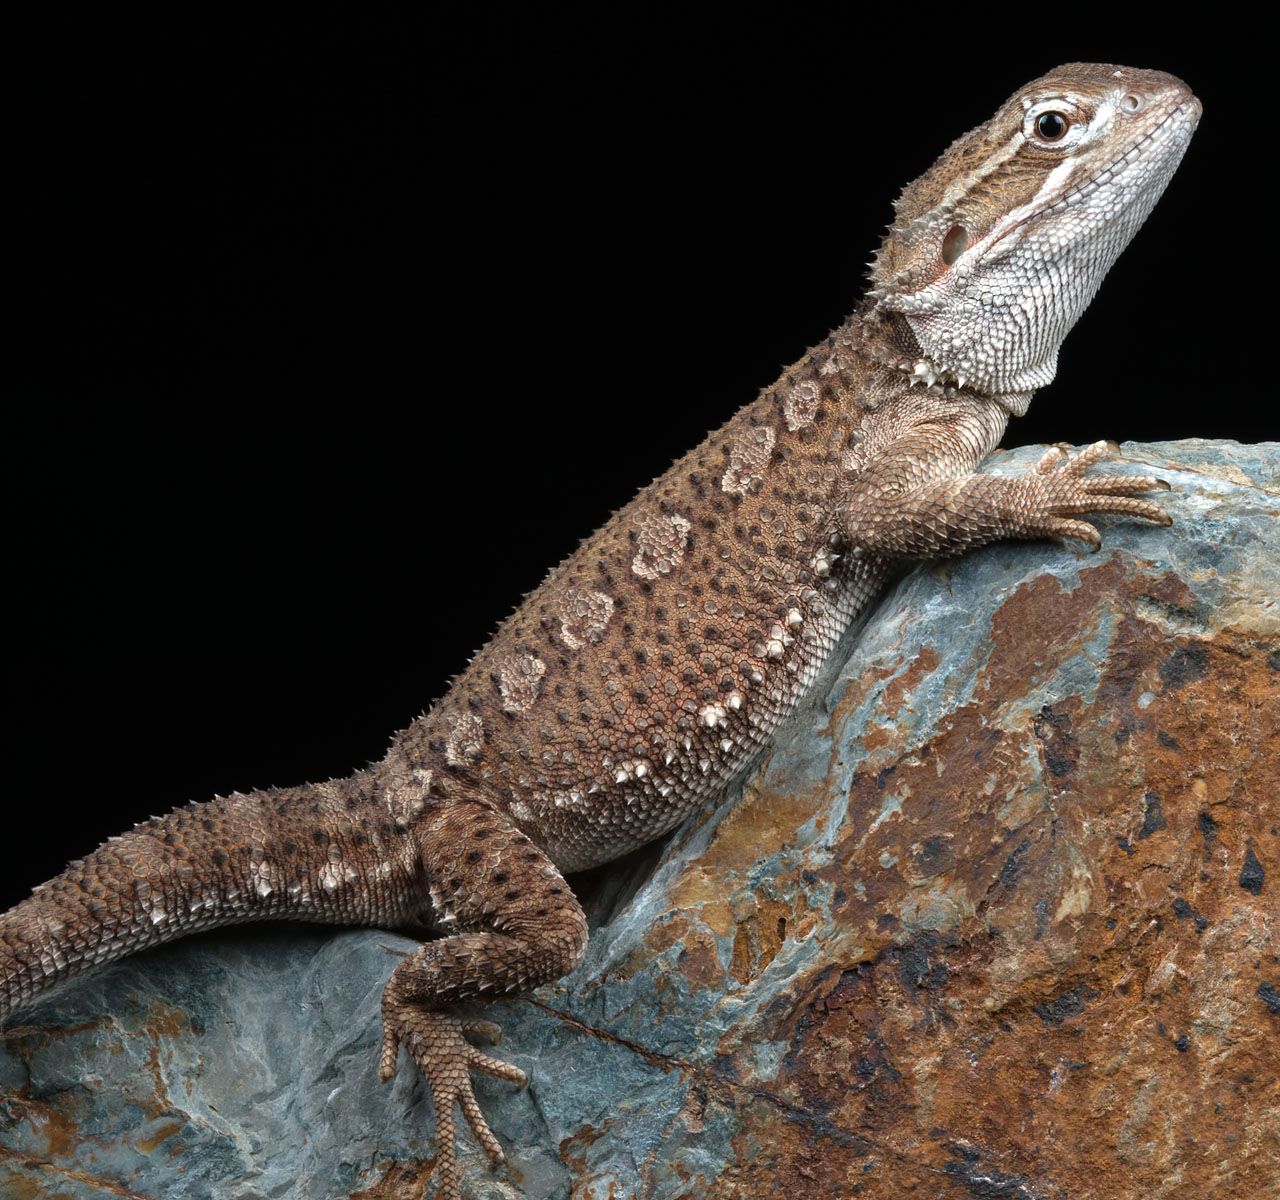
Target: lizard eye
1050,126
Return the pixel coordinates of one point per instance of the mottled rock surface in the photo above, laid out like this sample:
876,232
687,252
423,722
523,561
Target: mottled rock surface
996,920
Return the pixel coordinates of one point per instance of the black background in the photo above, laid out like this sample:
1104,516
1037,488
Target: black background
335,335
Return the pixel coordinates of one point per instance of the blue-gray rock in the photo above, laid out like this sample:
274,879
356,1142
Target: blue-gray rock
996,918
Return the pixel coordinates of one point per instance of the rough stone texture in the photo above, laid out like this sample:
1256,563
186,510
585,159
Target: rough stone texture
997,920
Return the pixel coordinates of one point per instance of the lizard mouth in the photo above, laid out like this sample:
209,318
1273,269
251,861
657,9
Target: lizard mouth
1185,117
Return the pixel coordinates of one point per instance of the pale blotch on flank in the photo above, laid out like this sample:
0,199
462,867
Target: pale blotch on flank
583,616
335,873
748,456
712,715
800,405
265,878
406,796
662,541
465,740
520,681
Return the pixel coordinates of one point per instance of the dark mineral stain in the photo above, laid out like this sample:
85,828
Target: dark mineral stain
1124,843
1042,917
1153,817
916,970
1182,1043
1252,876
876,1063
984,1183
1013,867
1185,665
1185,912
1209,831
1273,659
1070,1004
1061,751
935,857
1270,995
1167,740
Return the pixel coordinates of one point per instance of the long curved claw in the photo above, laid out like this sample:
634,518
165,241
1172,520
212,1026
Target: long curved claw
1061,527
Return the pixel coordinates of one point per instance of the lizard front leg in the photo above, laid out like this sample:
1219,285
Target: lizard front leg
921,499
518,926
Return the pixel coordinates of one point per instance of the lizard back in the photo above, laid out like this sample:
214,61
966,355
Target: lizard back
653,664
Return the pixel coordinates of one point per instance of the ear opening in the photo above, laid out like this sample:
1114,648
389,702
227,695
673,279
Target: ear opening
954,244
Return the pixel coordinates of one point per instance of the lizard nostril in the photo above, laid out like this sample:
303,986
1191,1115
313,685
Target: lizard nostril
1131,102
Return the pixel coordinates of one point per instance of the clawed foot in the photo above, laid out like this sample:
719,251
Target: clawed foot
1065,491
440,1044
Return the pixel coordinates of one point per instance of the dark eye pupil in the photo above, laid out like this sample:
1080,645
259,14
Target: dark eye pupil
1051,126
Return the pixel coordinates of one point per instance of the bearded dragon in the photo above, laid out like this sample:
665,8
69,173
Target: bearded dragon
652,666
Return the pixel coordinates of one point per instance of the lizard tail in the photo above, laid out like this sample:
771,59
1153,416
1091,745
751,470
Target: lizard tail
281,853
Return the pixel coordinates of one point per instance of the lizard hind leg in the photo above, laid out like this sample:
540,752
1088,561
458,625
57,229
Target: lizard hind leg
518,926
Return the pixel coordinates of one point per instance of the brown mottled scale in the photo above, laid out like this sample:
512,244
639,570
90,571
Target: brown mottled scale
292,852
639,680
651,666
654,663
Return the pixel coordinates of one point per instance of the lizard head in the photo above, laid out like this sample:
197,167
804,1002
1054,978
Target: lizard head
996,250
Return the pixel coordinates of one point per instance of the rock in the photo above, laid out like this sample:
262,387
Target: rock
995,920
